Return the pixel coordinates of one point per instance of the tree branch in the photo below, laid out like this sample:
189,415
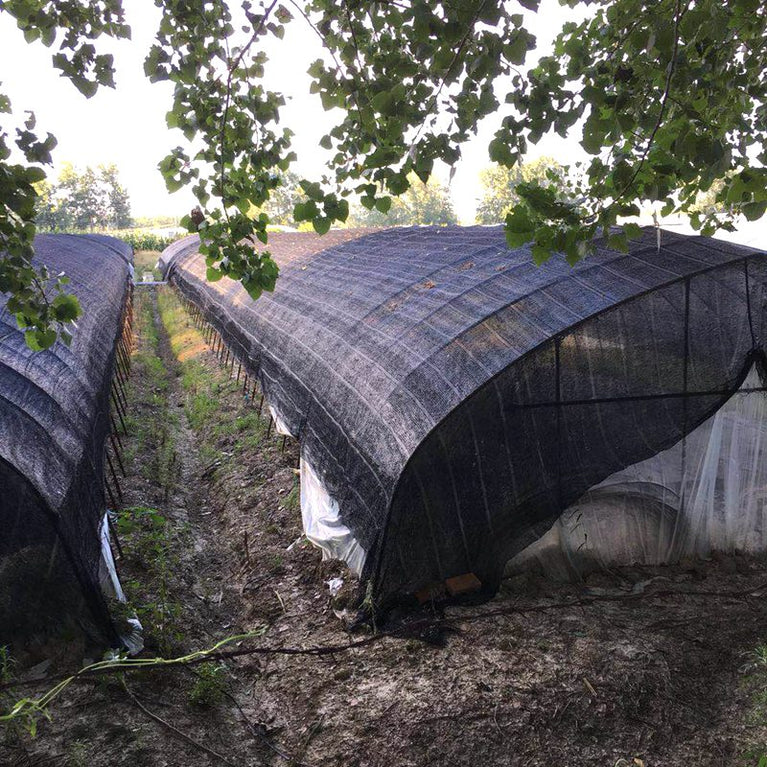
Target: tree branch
228,96
458,51
339,68
178,733
664,101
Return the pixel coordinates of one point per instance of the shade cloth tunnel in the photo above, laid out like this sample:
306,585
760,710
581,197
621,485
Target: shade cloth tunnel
452,399
54,420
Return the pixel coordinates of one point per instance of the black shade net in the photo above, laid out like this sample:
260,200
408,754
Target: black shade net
54,420
455,398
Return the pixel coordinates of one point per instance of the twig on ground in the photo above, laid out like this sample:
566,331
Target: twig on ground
406,630
254,728
178,733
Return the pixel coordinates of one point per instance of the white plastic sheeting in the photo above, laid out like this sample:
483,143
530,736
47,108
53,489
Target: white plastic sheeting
322,523
110,585
707,493
279,422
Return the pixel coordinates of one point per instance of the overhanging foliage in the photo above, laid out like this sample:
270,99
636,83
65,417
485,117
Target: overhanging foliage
667,96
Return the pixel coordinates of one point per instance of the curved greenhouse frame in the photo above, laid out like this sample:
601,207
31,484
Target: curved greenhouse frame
54,420
452,399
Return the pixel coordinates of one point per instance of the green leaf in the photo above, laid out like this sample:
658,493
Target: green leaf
593,139
541,254
383,102
35,174
321,224
500,152
86,87
618,242
66,307
519,227
516,49
397,184
38,340
754,210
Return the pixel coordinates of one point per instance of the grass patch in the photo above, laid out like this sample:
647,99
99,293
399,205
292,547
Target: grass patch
755,680
145,261
150,542
149,389
210,686
219,428
293,498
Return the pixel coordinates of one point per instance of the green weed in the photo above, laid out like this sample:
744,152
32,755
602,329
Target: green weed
210,686
149,542
77,754
230,429
293,498
149,391
6,664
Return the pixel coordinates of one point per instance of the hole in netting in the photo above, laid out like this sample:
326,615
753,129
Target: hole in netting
707,493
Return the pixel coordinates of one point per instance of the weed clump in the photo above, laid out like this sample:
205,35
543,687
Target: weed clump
149,539
210,686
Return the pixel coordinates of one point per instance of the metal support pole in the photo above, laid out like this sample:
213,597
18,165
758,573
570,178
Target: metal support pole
114,476
113,534
120,415
117,455
112,500
118,385
123,403
115,431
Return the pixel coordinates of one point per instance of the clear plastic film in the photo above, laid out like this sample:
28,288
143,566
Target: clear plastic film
707,493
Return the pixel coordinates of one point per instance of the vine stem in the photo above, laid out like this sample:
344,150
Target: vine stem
28,706
178,733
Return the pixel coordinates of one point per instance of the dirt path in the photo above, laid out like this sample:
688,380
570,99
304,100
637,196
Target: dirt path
639,668
205,553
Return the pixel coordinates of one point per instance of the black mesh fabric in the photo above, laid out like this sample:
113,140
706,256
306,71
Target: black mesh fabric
455,398
54,419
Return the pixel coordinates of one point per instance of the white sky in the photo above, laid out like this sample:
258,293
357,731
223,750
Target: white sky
127,127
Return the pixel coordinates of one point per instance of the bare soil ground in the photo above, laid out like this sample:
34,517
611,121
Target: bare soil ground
641,667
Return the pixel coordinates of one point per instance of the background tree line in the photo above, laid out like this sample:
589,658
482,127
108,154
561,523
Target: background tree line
422,204
80,201
94,199
429,203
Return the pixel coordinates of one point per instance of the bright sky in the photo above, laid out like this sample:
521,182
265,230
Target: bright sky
127,127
